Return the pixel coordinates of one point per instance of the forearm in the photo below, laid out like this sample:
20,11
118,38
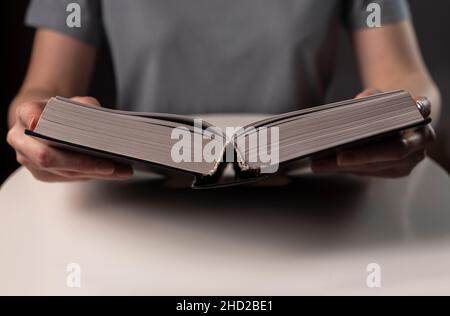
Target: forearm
59,65
389,58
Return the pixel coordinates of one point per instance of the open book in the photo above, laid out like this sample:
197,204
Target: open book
189,145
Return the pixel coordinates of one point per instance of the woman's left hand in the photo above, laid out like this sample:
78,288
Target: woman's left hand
394,157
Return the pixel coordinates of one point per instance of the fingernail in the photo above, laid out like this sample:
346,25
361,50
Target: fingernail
320,166
122,171
32,124
105,167
347,159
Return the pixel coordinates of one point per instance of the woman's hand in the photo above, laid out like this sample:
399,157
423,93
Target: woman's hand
394,157
51,164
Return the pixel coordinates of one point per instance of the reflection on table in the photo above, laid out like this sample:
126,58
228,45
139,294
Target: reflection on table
297,235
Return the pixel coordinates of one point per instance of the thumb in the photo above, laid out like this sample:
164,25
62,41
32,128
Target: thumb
367,93
87,100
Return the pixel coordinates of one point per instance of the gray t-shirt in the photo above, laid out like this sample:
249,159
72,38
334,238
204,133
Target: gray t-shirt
198,56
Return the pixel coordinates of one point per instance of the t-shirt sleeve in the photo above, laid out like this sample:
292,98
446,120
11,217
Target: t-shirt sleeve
53,15
356,12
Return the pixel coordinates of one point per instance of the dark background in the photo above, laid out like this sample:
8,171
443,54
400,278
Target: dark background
430,21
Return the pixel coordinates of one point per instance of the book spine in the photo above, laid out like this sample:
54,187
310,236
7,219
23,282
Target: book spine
240,159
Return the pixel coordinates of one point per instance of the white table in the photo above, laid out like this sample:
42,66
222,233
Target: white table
314,236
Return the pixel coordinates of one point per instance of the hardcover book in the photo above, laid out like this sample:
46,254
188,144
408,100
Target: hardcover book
158,141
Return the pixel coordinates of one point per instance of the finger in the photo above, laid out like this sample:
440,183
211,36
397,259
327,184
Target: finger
46,176
87,100
367,93
121,173
21,159
29,112
42,156
394,173
408,163
68,176
392,149
82,176
325,165
58,159
427,136
330,166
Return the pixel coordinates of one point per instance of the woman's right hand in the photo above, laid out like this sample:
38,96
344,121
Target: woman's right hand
51,164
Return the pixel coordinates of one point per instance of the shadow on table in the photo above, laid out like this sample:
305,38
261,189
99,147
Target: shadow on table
315,213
